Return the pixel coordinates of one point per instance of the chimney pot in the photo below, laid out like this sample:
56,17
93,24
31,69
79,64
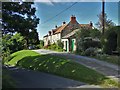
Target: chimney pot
64,22
91,24
56,26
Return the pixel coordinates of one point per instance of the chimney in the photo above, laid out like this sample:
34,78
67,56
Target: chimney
49,33
91,24
64,22
73,19
56,26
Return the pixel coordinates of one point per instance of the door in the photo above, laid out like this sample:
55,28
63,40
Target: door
66,45
72,45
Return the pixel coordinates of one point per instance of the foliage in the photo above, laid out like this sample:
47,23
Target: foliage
82,33
87,38
87,43
60,44
95,33
90,52
110,40
54,65
19,17
108,58
108,23
13,43
33,38
117,28
56,46
41,45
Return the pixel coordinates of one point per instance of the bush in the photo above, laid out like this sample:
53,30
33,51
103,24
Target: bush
56,46
89,42
60,44
109,41
41,44
90,52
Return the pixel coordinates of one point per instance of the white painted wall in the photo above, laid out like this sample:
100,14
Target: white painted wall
45,39
55,38
64,42
52,39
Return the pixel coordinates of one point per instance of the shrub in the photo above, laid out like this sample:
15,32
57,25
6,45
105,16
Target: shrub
90,52
87,43
41,44
109,41
60,44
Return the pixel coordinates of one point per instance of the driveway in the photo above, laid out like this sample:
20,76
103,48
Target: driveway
105,68
33,79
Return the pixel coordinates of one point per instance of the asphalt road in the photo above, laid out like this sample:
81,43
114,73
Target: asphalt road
34,79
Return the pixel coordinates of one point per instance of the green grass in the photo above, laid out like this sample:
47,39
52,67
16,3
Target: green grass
109,58
58,66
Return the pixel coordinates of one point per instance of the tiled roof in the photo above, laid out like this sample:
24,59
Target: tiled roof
71,34
84,25
59,29
46,35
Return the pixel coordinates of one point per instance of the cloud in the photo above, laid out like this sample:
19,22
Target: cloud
48,2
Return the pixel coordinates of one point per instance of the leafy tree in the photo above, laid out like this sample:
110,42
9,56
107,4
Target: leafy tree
108,23
13,43
86,38
95,33
41,43
19,17
111,40
33,37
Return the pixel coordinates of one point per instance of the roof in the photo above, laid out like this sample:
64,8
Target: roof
59,29
46,35
84,25
71,34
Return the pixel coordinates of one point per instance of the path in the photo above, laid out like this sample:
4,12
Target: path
105,68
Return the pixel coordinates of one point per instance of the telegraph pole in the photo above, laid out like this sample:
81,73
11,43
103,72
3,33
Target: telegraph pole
103,17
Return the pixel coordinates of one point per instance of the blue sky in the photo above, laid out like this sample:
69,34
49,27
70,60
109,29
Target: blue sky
84,12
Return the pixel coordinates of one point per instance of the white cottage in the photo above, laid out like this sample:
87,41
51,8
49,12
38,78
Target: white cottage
66,33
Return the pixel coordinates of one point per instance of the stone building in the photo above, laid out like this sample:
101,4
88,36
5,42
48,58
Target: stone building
66,33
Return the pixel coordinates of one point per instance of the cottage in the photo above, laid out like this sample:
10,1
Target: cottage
66,33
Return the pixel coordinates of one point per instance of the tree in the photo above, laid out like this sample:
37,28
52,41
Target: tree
86,38
13,43
95,33
33,37
19,17
111,40
107,22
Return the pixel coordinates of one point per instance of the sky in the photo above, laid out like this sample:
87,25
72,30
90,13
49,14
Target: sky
84,12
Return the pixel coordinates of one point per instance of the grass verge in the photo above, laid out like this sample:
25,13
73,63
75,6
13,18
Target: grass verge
109,58
59,66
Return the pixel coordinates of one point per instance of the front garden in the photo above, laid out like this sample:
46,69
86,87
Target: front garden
105,47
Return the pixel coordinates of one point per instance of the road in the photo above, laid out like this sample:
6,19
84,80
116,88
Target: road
105,68
33,79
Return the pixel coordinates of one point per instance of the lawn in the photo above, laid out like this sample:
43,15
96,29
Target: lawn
109,58
58,66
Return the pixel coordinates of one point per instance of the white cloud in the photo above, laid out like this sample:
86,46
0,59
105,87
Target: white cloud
48,2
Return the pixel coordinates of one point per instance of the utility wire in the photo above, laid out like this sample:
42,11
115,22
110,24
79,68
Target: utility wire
59,13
